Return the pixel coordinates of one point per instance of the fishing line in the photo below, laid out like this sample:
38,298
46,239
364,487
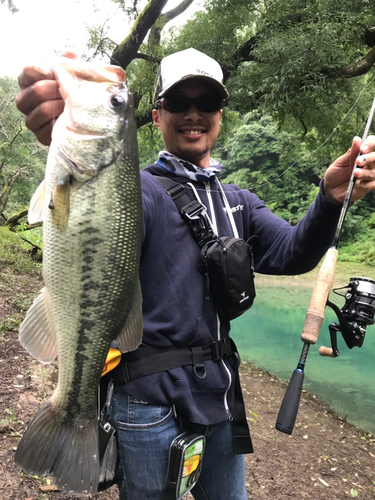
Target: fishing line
307,155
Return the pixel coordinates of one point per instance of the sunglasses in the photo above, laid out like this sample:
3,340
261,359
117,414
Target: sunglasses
182,103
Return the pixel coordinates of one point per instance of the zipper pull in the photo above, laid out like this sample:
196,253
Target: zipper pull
230,416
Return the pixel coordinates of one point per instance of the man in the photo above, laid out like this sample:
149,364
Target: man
147,411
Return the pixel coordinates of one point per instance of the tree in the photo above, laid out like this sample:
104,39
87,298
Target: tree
293,59
22,158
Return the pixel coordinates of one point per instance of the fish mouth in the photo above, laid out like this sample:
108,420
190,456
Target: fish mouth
75,165
78,166
85,132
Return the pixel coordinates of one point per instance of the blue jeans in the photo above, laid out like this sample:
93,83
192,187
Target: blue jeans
145,433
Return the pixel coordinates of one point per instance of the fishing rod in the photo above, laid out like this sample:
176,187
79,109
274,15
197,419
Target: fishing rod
352,321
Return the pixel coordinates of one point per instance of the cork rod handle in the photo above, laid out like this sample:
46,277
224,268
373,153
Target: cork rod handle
315,312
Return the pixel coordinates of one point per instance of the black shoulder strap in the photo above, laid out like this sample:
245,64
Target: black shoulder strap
193,212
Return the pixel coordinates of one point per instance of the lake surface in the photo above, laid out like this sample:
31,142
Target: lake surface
269,335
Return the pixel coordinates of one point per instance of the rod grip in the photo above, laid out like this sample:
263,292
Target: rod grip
326,351
289,407
315,312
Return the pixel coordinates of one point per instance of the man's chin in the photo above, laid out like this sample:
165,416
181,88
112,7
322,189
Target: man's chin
198,157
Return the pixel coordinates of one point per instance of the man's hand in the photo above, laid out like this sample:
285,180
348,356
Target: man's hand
338,174
40,99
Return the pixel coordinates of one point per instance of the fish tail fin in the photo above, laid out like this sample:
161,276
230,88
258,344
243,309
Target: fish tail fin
66,450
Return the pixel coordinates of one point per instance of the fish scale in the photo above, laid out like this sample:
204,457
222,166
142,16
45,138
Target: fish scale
92,227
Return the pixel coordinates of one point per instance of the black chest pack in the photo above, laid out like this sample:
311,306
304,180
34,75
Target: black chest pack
227,262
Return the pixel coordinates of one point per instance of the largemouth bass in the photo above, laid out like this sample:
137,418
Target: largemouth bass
91,210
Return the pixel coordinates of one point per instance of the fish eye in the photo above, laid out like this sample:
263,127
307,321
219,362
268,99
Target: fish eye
117,101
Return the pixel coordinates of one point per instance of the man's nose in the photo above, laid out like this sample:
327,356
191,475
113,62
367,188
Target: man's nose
193,112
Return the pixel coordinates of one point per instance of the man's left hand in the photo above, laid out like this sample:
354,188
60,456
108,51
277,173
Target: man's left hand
338,174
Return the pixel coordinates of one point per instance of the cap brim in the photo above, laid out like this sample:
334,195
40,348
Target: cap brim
219,87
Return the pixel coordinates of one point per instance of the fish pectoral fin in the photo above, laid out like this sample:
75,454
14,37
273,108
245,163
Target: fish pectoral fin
59,201
37,334
36,204
131,335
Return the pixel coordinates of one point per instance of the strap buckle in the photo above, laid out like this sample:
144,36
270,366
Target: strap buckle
194,211
195,214
221,349
175,191
121,373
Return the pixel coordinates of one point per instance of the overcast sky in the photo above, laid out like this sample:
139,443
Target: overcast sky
43,28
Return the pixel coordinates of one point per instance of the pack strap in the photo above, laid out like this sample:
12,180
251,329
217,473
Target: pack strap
240,427
192,211
150,360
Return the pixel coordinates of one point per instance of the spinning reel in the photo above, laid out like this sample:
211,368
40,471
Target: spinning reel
356,314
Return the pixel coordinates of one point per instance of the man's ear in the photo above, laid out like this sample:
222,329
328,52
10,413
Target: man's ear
156,118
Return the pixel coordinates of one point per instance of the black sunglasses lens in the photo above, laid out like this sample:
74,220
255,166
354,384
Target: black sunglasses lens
177,103
181,103
209,103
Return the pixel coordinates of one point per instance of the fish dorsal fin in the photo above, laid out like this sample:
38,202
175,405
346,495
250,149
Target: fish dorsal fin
37,204
37,333
131,335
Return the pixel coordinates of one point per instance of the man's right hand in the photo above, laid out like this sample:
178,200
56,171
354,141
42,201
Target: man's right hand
40,101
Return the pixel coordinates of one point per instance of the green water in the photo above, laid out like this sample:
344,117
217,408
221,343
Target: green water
269,335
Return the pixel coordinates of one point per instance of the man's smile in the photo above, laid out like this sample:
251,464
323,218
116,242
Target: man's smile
192,132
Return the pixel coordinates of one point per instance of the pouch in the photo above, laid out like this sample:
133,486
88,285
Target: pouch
185,464
229,271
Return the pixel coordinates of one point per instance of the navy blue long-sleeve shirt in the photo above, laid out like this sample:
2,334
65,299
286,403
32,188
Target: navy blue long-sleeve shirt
175,311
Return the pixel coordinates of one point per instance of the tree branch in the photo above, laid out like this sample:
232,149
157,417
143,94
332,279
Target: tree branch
147,57
157,28
355,69
127,50
243,54
10,145
11,6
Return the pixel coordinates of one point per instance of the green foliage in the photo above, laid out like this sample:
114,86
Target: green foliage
298,49
150,143
219,29
14,253
258,157
22,158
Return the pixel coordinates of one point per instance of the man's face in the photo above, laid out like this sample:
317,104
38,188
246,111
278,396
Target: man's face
189,135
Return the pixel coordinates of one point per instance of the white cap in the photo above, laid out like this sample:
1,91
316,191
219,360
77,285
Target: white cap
189,63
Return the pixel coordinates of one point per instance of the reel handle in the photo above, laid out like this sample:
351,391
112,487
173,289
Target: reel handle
315,312
326,351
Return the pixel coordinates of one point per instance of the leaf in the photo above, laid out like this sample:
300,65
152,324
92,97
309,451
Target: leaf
50,487
323,482
353,493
